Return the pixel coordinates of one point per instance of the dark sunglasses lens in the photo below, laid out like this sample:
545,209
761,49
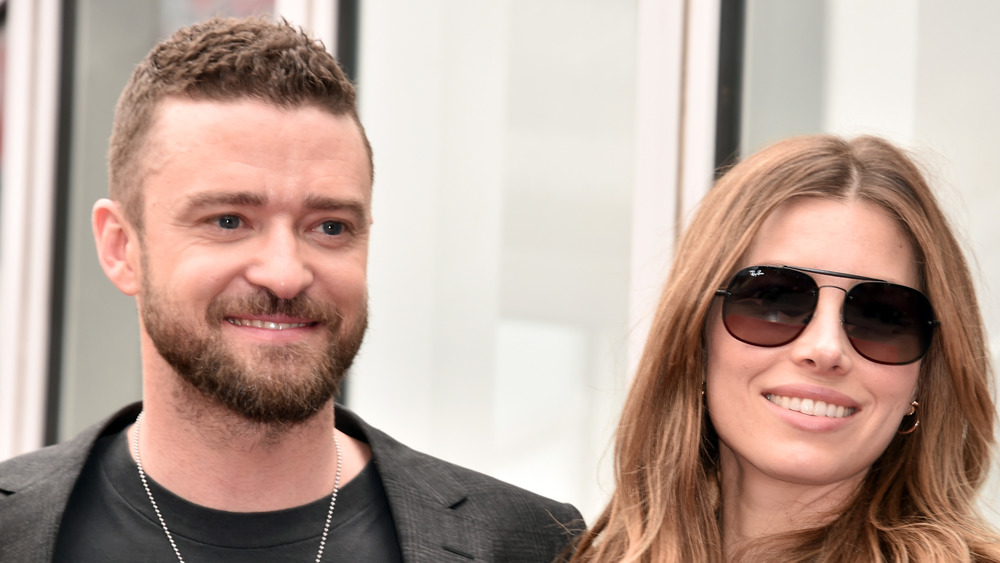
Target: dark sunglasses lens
888,323
768,306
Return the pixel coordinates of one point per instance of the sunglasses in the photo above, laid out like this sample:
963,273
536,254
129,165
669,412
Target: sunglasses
771,305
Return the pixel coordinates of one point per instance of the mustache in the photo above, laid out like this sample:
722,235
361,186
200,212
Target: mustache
265,302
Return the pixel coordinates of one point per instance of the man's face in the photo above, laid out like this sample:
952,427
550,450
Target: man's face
254,252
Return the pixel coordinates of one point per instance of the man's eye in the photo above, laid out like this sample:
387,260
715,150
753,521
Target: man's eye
228,222
332,227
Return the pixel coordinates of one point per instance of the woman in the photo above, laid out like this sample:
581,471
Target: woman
815,386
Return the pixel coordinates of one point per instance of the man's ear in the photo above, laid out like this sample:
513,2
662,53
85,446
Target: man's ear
117,246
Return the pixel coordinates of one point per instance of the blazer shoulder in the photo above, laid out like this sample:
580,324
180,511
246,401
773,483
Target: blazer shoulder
524,525
60,461
471,493
35,488
488,495
56,462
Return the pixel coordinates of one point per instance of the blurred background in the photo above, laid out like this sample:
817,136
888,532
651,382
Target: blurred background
534,161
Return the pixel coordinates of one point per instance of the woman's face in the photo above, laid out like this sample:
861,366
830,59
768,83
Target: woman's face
761,439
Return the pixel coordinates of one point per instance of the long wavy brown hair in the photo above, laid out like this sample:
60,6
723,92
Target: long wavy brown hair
918,500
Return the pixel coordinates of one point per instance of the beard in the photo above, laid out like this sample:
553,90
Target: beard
273,384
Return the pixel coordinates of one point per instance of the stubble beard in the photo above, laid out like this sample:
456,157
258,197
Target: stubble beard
273,385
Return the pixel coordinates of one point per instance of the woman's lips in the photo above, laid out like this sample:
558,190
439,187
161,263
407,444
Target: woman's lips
810,407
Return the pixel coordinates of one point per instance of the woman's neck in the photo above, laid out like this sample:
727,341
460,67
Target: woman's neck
755,504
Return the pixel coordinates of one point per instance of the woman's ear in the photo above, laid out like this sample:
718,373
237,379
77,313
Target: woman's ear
117,246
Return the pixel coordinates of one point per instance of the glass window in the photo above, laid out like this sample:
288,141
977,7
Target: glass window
173,14
504,139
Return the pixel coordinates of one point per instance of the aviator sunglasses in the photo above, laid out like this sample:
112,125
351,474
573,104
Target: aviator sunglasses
771,305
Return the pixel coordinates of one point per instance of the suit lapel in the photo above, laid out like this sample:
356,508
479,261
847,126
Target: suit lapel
424,497
427,521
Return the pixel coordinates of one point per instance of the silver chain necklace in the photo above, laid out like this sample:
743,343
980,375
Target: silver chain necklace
163,524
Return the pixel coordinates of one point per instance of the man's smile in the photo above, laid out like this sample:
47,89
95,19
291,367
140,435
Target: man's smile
269,325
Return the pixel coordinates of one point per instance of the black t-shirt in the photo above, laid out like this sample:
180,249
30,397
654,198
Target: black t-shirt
109,518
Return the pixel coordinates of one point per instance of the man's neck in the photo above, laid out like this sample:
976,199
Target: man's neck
210,456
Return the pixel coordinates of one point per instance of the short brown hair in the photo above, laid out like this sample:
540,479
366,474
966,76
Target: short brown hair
222,59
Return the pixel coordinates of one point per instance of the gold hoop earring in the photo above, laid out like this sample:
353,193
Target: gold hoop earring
916,419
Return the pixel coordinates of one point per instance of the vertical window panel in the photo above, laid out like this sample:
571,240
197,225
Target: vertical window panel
504,137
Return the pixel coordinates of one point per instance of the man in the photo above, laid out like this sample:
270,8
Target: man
239,218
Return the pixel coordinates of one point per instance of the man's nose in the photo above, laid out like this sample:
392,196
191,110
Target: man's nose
281,263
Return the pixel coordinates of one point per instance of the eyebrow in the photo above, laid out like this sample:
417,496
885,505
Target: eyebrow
241,199
252,199
326,203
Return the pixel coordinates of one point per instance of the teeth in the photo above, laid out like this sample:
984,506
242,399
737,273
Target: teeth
269,325
811,407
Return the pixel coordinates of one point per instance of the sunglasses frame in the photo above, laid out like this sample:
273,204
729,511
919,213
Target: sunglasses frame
931,323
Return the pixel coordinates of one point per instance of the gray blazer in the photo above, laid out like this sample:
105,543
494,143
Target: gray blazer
442,512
